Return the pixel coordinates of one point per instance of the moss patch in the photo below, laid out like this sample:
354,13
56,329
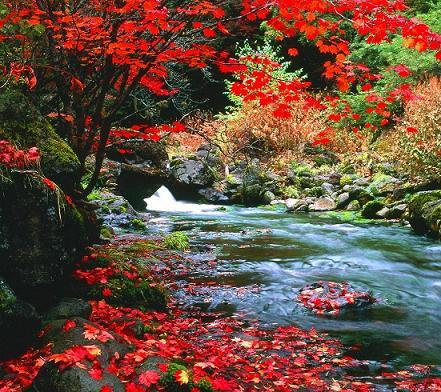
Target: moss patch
23,125
177,241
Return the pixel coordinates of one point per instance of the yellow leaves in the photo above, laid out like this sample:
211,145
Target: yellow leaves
182,377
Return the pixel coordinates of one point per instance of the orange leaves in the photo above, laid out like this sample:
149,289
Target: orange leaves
74,356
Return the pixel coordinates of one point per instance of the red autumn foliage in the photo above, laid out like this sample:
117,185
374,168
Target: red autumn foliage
331,297
94,54
11,157
226,352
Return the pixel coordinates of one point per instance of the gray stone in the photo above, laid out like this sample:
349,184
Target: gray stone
41,238
343,200
19,323
296,205
383,212
396,211
323,204
73,379
268,197
354,205
425,213
68,308
328,188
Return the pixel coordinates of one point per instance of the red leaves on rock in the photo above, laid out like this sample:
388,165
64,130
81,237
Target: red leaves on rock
331,297
149,378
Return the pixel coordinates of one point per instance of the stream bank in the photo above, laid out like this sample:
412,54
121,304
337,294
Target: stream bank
222,314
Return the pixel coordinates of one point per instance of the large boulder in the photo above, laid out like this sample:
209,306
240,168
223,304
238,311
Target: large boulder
140,168
383,184
189,176
75,379
22,124
371,209
323,204
19,323
425,213
41,237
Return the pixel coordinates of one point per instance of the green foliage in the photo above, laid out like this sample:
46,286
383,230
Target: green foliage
300,169
7,297
271,50
138,224
346,180
291,192
315,191
126,292
168,379
177,241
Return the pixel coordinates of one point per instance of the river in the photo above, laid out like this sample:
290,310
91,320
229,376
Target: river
271,254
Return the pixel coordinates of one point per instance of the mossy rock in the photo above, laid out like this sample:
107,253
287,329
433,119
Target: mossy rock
382,184
425,213
144,295
371,208
22,124
41,237
417,201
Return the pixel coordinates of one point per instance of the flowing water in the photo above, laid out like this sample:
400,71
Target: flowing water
269,255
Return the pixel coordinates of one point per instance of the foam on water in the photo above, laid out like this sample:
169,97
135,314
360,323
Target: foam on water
164,201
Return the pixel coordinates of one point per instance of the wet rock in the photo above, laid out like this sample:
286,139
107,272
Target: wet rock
359,193
73,379
213,196
68,308
343,200
268,197
323,204
188,176
330,297
371,209
116,212
383,213
19,323
296,205
382,184
397,211
425,213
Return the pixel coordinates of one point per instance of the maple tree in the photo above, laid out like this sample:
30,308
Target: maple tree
86,59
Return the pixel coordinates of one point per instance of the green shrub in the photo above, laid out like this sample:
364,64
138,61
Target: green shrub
346,180
177,241
144,295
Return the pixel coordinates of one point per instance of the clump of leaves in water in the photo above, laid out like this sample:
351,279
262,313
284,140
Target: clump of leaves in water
177,241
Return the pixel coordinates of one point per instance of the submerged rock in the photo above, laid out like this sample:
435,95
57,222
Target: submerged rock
331,297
